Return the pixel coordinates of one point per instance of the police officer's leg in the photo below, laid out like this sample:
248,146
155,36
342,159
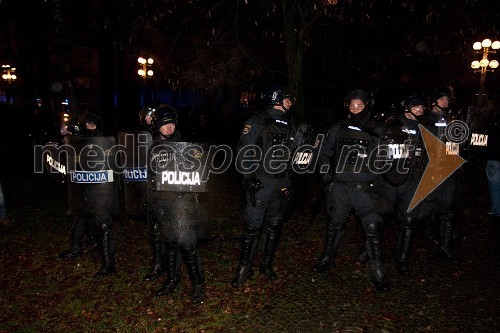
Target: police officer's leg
446,201
274,228
104,221
194,267
174,257
248,244
254,217
446,225
408,225
403,245
158,267
91,236
274,223
338,207
76,238
373,225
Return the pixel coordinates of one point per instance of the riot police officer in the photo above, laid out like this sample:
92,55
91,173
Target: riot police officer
266,137
83,229
346,159
407,158
172,215
167,120
92,201
445,196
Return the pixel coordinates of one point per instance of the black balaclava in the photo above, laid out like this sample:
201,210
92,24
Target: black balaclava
361,117
365,115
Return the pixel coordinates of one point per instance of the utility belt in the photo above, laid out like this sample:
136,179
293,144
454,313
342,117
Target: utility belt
375,190
361,185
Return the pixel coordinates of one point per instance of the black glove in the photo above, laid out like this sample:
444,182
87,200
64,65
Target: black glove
253,184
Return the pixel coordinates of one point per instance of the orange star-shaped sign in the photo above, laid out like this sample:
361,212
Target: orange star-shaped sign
442,164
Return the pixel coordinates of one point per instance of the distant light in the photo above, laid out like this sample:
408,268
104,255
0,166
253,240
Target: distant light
477,46
484,63
475,64
150,73
486,43
141,60
141,72
495,45
150,61
493,64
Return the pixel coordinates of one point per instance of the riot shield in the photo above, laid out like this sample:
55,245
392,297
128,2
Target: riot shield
396,148
304,150
93,186
53,157
178,173
134,158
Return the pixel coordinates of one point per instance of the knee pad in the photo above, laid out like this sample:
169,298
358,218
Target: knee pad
338,219
373,229
275,225
187,249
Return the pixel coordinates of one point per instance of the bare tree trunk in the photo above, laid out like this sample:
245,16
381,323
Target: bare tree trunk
296,25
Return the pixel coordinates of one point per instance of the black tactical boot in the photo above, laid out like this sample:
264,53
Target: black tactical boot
108,253
376,266
363,256
403,246
245,269
332,241
446,236
158,267
90,243
195,272
74,251
173,275
273,236
76,239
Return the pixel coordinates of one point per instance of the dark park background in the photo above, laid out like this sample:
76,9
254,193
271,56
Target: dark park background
216,57
212,60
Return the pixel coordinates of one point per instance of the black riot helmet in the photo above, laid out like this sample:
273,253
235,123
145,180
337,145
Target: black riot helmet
442,91
165,114
278,96
147,110
90,124
414,100
363,95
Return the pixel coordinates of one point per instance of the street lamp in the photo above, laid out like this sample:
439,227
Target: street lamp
484,65
144,72
9,73
9,76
